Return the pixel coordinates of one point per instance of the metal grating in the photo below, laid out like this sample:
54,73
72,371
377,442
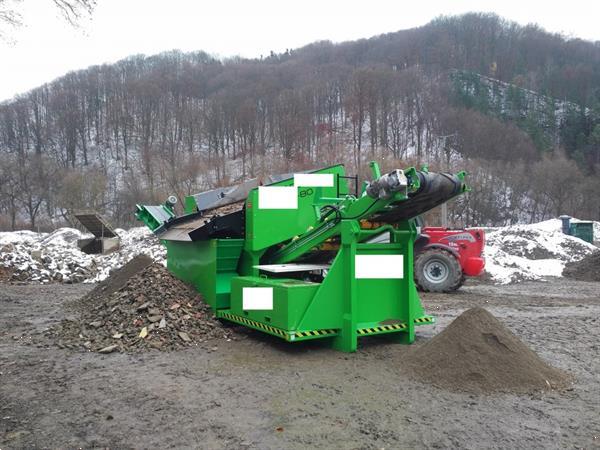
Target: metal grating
95,224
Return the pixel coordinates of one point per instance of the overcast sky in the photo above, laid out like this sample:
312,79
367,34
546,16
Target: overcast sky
47,47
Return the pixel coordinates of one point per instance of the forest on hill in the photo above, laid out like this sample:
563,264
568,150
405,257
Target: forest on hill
517,107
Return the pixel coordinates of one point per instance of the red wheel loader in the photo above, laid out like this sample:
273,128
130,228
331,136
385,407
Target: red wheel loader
444,257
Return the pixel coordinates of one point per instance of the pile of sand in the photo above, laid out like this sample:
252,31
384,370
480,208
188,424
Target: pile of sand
139,307
477,353
587,269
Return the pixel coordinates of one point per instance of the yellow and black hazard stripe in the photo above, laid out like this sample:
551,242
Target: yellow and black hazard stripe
393,327
314,333
425,319
288,336
382,329
253,324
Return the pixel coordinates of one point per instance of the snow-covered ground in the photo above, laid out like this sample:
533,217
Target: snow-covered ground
47,257
532,252
513,253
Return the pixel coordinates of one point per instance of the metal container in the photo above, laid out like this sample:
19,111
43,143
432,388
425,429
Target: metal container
583,230
208,265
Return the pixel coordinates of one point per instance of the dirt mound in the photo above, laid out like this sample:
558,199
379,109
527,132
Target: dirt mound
587,269
477,353
152,310
531,252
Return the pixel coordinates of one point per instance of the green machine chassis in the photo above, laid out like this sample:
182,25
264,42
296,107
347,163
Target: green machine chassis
329,220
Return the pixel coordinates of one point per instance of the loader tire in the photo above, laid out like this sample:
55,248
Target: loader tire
437,270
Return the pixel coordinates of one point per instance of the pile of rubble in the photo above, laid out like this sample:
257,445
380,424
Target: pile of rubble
118,279
151,310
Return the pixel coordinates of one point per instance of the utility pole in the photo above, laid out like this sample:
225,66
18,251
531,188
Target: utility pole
448,153
444,213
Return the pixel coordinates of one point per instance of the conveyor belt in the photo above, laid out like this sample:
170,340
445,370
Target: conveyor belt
436,188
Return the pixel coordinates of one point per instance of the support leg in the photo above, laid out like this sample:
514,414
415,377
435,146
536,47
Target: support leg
347,340
404,337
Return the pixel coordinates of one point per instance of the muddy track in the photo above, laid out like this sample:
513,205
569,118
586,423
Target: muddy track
260,392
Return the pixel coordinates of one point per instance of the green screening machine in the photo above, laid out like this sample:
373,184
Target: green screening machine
293,257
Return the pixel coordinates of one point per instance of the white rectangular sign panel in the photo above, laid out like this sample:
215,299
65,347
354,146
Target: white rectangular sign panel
277,197
379,266
254,298
313,179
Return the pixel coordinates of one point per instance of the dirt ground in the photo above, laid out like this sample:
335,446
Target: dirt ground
260,392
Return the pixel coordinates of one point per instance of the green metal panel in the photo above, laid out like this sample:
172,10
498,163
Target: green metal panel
184,260
326,309
266,227
189,205
154,216
208,265
583,230
381,299
352,307
290,299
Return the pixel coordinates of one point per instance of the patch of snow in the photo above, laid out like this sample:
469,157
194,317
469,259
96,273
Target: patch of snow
513,253
64,236
15,237
531,252
47,257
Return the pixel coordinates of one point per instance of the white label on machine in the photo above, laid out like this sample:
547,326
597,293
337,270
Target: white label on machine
379,266
277,197
254,298
313,179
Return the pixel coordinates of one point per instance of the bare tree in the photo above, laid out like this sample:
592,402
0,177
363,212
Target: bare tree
74,10
71,10
146,127
9,18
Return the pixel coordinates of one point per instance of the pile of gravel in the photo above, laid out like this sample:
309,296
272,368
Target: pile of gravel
150,309
477,353
119,277
588,269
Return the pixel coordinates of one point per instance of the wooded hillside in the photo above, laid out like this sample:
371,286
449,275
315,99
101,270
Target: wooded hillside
517,107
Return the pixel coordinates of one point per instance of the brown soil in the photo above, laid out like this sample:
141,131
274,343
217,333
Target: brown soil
588,269
5,274
477,353
260,392
149,310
